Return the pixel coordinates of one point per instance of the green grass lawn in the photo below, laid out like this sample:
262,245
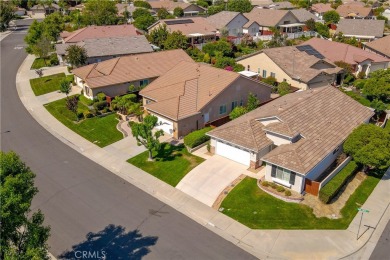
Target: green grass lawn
40,63
251,206
99,130
359,98
387,126
48,84
171,164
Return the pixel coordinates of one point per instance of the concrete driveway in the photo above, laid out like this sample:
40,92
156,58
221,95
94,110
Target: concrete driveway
210,178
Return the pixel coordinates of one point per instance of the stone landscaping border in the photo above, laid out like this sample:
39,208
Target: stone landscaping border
284,198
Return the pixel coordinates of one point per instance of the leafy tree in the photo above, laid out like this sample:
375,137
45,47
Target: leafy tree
140,12
215,9
76,55
42,48
100,12
221,46
206,58
202,3
162,13
53,25
178,12
377,86
331,17
176,40
159,36
124,103
23,235
143,22
269,80
126,14
224,31
369,145
72,104
144,135
283,88
242,6
381,17
144,4
237,112
6,14
310,24
34,34
65,87
253,102
322,30
379,107
277,40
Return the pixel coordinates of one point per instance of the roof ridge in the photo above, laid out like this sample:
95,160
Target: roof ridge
252,131
75,34
93,67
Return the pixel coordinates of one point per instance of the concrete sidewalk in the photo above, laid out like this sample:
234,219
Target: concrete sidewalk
274,244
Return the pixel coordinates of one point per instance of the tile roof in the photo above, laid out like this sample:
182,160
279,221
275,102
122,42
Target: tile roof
303,15
321,8
381,45
130,68
323,116
299,64
185,89
347,9
282,5
265,17
170,5
111,46
261,2
221,19
361,27
95,32
197,25
337,51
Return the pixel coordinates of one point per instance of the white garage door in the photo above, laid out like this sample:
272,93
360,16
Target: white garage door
164,124
233,153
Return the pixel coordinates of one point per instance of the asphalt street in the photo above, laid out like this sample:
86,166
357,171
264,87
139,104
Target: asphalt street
88,208
382,249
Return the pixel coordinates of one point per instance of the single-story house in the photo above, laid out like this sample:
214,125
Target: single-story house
386,14
361,29
102,49
114,77
380,46
284,5
298,136
319,9
192,95
285,20
97,32
300,66
44,9
188,8
197,29
359,59
354,11
231,21
130,8
261,3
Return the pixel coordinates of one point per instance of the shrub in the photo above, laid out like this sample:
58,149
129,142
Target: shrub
287,193
208,147
87,114
359,84
280,189
265,183
273,185
330,190
100,105
270,81
106,110
197,137
53,60
69,69
101,96
80,115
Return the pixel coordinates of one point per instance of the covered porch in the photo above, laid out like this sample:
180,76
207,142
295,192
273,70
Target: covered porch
292,27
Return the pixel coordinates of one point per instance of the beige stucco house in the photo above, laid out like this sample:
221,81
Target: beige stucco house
114,77
192,95
298,136
293,65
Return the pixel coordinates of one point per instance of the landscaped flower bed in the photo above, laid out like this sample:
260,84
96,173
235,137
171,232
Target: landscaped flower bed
279,191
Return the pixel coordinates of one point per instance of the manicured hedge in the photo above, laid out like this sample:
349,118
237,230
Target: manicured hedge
100,105
330,190
197,137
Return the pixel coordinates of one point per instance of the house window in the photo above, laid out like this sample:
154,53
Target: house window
258,71
87,91
241,102
222,109
254,30
148,101
143,83
234,104
264,73
284,175
273,75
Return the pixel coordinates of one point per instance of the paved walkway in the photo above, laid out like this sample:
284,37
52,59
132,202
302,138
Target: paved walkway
274,244
206,181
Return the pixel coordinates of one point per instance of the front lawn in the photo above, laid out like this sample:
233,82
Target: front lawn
40,63
47,84
98,130
171,163
251,206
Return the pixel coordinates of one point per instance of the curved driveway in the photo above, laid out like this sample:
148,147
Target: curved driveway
78,196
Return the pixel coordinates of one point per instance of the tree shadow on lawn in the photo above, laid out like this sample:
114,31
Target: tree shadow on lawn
168,152
112,243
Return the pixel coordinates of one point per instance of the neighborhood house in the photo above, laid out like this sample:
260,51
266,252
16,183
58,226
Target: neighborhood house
115,76
188,8
192,95
361,29
298,136
380,46
302,67
233,22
